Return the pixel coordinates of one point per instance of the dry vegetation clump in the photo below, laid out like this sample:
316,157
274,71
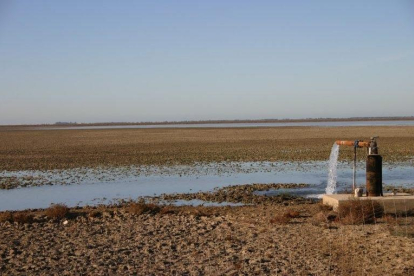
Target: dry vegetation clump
402,226
280,219
140,208
166,210
95,214
292,214
391,220
23,217
6,216
324,208
200,211
319,218
356,211
402,231
57,211
325,215
285,218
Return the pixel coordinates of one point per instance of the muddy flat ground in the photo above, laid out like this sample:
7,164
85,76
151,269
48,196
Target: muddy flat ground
204,241
62,149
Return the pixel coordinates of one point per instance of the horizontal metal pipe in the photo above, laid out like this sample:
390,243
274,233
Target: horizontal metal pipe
361,144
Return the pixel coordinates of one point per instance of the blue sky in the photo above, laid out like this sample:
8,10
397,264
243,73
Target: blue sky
107,61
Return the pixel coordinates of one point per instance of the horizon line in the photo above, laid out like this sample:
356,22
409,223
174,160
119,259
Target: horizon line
223,121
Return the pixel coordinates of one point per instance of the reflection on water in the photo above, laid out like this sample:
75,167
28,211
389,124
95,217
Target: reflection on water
92,187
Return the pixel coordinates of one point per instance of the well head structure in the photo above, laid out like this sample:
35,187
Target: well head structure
373,165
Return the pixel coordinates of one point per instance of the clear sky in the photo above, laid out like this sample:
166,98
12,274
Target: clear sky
109,61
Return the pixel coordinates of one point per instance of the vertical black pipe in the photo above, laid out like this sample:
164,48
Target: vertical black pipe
354,170
374,175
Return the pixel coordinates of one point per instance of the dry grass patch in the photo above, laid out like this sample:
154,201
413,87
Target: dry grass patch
6,216
168,210
95,214
324,208
319,218
390,220
57,211
280,219
23,217
356,211
400,226
285,218
202,211
325,215
143,208
292,214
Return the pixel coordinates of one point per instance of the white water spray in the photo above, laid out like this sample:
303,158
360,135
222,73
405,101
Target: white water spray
332,176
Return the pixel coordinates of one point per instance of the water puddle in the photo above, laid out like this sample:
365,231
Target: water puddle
105,186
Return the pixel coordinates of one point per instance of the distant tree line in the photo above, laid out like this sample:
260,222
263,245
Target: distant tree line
395,118
66,123
286,120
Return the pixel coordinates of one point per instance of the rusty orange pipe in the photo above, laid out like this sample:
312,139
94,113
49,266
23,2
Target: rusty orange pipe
361,144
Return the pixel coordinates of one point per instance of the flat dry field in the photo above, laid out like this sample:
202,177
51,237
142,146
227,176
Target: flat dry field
62,149
204,241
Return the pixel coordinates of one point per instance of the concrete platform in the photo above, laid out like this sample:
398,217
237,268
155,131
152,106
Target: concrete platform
401,202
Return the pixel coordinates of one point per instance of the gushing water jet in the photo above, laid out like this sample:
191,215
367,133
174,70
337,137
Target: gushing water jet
332,170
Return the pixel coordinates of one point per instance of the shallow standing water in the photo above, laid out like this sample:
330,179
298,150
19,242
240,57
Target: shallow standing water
102,186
